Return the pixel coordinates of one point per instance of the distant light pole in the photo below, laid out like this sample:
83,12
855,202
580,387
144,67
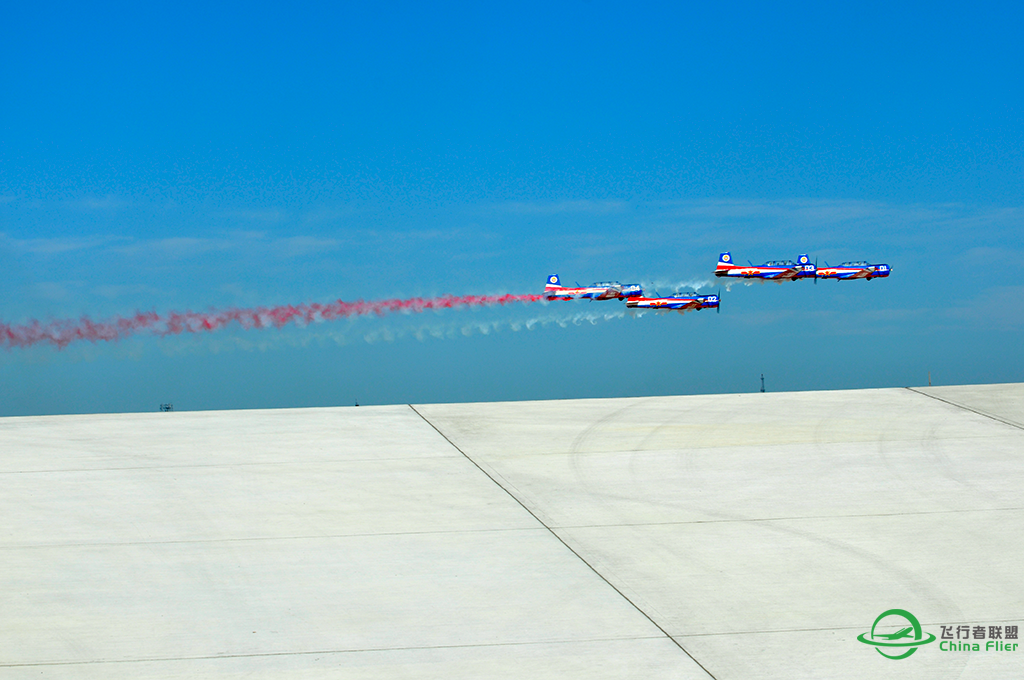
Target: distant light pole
762,382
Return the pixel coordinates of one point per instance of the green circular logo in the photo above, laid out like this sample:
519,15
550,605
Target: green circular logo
907,636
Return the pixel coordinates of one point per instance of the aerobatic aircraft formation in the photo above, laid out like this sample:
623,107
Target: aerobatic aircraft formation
632,293
62,332
774,270
787,270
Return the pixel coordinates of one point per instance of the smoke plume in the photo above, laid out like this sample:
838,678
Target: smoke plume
62,332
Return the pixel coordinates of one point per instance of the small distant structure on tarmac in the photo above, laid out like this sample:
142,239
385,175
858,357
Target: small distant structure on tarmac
762,382
167,407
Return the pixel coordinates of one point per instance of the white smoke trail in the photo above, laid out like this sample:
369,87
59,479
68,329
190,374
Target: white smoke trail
456,328
667,286
728,283
360,330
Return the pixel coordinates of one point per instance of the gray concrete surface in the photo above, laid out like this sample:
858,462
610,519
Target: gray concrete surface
725,536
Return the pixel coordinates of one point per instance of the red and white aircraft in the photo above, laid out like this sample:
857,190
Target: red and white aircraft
680,302
854,270
609,290
777,270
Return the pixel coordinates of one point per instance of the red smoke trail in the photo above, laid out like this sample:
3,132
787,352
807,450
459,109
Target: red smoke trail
66,331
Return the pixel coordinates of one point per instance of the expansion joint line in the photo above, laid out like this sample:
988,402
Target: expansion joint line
1004,421
563,542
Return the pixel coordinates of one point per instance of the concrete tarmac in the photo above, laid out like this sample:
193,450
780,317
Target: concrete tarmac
724,536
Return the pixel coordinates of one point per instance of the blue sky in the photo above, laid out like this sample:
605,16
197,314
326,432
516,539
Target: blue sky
176,156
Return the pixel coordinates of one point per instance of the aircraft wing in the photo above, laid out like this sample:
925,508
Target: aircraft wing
789,274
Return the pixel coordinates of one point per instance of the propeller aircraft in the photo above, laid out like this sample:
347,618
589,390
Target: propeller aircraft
607,290
680,302
854,270
776,270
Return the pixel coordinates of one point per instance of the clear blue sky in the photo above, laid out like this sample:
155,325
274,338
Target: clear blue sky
184,156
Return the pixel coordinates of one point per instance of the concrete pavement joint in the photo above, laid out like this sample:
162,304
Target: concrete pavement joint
564,543
835,628
1004,421
114,544
215,657
785,519
335,461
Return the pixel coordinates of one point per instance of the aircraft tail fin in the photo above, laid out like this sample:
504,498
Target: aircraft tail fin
553,283
806,268
724,264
